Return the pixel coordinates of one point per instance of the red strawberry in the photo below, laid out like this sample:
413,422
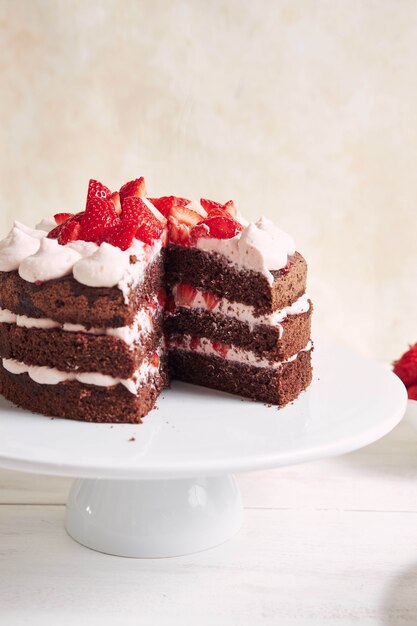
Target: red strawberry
215,209
97,190
211,299
217,228
195,342
406,367
99,216
185,294
201,230
148,227
412,392
162,296
221,348
230,207
120,235
133,210
135,188
60,218
180,221
115,199
155,359
70,232
185,216
178,233
55,232
223,227
209,205
166,203
170,306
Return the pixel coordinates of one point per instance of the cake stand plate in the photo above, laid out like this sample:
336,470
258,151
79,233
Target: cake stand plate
165,487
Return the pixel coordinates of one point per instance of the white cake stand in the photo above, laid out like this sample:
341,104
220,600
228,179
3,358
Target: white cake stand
165,487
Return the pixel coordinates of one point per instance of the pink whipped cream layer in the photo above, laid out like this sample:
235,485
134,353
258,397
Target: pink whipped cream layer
240,311
205,346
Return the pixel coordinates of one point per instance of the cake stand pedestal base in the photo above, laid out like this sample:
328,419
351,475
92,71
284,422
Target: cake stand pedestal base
153,518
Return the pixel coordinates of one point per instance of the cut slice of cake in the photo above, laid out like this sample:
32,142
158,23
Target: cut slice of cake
239,319
81,332
98,308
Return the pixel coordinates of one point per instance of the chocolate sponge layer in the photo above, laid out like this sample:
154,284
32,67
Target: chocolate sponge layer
273,386
69,351
212,272
77,401
261,339
66,300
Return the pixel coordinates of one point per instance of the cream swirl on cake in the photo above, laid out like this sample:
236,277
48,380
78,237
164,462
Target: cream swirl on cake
38,258
260,246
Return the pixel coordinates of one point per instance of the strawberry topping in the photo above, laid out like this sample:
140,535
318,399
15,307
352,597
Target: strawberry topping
184,215
120,235
215,209
97,190
99,215
115,199
166,203
135,188
60,218
185,294
70,232
55,232
180,221
219,227
148,227
111,217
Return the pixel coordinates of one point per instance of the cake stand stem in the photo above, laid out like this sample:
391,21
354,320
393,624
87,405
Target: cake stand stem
153,518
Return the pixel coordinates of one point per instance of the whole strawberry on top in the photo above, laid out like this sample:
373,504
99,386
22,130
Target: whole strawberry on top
406,369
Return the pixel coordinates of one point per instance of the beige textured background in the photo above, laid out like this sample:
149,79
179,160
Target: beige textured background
302,110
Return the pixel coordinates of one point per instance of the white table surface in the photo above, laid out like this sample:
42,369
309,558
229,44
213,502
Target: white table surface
331,542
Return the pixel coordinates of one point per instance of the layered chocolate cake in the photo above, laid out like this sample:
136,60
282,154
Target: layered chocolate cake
100,308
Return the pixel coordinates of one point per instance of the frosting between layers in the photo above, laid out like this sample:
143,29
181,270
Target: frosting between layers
205,346
244,312
50,376
143,324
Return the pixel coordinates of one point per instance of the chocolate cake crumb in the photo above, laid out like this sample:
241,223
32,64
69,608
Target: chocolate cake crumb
66,300
268,385
267,341
104,404
72,351
212,272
